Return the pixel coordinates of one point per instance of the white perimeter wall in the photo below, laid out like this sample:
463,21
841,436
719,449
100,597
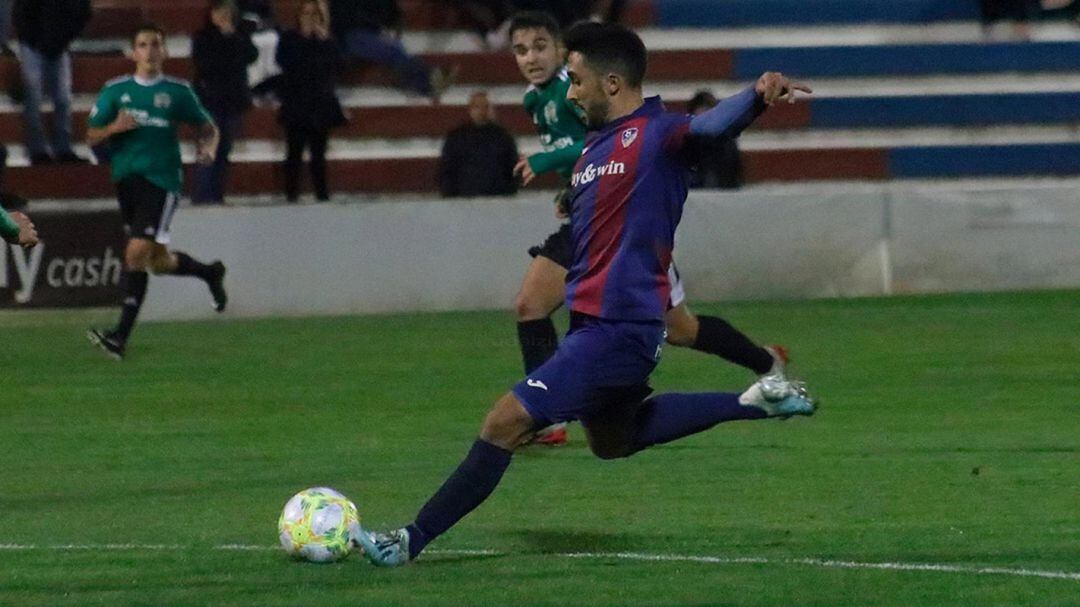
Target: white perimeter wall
470,254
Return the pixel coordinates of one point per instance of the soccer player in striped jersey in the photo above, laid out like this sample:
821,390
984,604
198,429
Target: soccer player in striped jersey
138,115
540,56
628,192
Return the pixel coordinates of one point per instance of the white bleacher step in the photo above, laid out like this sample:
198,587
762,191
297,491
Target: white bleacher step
371,96
265,150
705,38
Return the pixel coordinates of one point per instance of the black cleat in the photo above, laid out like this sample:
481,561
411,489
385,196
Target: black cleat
112,346
217,286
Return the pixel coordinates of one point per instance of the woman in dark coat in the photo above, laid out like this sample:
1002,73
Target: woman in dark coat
309,60
221,54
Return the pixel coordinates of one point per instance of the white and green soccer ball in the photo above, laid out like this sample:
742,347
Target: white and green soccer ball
317,524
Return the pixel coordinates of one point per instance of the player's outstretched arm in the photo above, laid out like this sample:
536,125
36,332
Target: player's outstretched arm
733,114
16,228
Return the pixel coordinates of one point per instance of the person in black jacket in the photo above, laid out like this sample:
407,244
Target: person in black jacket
478,157
221,55
310,62
714,161
45,29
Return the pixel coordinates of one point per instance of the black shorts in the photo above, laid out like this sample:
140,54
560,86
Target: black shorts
146,209
558,247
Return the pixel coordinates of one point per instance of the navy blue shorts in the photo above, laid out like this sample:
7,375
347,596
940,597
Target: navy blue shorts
598,361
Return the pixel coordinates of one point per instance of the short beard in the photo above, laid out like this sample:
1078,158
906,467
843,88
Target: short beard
596,114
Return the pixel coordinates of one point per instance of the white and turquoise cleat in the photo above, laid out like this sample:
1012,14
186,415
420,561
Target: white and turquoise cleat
779,397
389,549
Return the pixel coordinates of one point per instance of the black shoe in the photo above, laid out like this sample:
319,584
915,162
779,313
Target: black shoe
70,158
41,159
217,286
110,344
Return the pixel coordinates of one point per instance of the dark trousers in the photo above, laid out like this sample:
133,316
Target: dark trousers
210,180
296,139
413,74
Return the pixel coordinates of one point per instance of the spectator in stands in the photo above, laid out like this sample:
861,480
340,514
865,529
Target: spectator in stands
478,157
1019,12
5,27
260,13
715,160
371,31
45,29
310,62
608,11
221,54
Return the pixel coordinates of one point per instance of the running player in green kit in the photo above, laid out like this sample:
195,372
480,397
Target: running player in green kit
138,115
540,56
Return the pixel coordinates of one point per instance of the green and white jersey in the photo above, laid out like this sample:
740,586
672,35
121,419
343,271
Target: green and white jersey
153,149
560,124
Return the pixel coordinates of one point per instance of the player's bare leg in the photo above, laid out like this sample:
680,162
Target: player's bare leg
542,292
716,336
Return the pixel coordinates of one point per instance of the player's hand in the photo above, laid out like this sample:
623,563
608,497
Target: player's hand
523,170
124,122
562,203
774,86
28,236
204,157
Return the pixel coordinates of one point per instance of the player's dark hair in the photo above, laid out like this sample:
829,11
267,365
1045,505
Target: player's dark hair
528,20
147,27
609,48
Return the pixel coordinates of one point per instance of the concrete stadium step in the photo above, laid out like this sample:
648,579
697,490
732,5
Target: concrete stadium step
91,72
396,122
116,18
419,174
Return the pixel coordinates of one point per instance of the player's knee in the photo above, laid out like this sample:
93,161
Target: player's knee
507,424
527,307
682,330
137,256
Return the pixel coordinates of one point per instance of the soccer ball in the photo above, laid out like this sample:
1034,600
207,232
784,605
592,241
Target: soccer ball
317,524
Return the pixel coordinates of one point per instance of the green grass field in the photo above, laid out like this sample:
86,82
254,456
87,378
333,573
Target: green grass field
949,436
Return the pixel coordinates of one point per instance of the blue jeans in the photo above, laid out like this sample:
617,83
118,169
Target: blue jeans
52,77
371,46
208,181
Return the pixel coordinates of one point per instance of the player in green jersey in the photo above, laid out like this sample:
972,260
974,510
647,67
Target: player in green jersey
540,56
16,228
138,116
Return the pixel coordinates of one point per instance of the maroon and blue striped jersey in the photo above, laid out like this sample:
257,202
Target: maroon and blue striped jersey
627,191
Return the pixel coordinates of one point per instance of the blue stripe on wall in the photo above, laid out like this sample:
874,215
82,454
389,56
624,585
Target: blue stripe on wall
958,110
734,13
908,59
976,160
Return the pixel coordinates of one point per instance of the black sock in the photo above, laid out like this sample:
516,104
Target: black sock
473,481
134,294
716,336
186,266
538,342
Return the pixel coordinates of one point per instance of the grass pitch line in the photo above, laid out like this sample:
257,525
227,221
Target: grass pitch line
828,564
626,556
